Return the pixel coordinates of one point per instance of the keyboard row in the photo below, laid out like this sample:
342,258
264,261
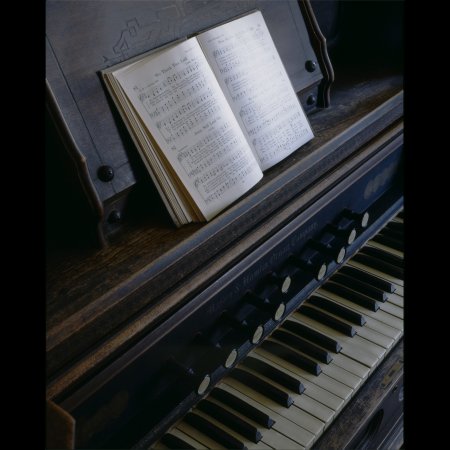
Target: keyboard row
287,391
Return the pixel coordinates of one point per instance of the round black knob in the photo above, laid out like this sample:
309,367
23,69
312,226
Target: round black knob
276,310
362,219
311,99
348,234
114,217
310,65
337,253
105,173
318,270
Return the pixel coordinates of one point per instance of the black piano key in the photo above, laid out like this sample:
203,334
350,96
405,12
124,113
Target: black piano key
262,386
389,242
230,420
274,374
360,286
303,346
313,336
292,357
328,320
395,226
368,278
338,310
379,265
174,442
209,429
244,408
352,296
394,234
384,255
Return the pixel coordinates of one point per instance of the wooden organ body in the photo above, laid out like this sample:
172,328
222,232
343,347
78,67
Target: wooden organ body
157,320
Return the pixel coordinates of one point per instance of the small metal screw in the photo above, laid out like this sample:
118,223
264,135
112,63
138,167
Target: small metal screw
115,217
310,65
311,100
105,173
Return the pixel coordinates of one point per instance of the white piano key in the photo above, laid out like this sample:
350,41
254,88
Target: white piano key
158,446
392,309
343,376
373,351
309,400
237,413
315,409
283,425
188,439
249,444
325,382
276,440
206,441
270,437
294,414
391,250
379,315
314,390
279,441
353,347
384,329
364,331
352,366
376,272
395,299
375,337
301,417
337,373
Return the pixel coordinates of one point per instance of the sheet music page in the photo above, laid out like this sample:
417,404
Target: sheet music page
181,103
252,76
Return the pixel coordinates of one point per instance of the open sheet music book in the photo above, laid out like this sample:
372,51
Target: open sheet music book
209,114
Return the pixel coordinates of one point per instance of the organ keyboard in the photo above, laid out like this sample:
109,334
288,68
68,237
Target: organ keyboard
304,307
288,390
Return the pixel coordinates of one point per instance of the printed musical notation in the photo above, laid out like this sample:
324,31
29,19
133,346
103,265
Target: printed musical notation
258,117
207,151
187,118
278,138
217,162
162,99
232,172
258,88
187,108
179,102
